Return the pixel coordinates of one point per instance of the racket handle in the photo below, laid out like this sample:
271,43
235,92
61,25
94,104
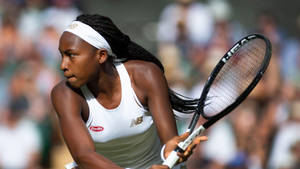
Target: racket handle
183,145
173,157
171,160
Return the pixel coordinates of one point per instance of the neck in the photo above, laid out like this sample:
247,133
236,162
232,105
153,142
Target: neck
106,83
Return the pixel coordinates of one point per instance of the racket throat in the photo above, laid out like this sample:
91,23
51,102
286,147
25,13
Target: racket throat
193,123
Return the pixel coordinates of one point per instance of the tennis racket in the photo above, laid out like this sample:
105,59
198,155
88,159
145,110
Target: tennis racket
230,82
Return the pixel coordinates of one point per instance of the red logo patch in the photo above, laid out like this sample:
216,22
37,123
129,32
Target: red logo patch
96,128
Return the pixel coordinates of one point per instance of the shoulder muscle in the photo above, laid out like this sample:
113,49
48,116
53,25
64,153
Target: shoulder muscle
65,99
146,76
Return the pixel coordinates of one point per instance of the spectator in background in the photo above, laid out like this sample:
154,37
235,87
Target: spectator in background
238,148
13,46
290,63
34,25
295,149
184,28
185,21
13,50
28,62
268,24
267,93
34,80
285,138
20,141
187,26
59,14
47,44
30,19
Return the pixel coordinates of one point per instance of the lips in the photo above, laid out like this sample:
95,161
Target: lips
69,77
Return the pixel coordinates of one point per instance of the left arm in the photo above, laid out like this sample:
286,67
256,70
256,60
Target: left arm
151,88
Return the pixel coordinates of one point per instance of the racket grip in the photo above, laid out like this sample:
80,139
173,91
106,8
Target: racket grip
171,160
173,157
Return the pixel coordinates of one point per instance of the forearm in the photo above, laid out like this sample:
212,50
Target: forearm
93,160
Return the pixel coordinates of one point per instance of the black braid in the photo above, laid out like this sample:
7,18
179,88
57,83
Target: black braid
124,48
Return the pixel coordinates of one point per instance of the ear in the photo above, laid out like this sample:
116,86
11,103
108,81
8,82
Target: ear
102,55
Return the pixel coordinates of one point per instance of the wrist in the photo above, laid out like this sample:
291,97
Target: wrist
162,153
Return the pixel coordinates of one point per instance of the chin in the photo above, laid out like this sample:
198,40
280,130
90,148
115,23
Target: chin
74,84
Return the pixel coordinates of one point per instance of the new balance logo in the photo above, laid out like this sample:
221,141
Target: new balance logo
137,121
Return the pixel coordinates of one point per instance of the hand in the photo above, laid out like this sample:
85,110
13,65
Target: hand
171,145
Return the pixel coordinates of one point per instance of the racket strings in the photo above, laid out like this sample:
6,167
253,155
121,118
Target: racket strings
235,76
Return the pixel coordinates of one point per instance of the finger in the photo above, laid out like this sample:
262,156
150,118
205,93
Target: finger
199,139
185,155
184,135
192,146
195,142
155,166
182,157
189,150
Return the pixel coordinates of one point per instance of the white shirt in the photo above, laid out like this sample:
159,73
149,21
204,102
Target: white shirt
126,134
18,144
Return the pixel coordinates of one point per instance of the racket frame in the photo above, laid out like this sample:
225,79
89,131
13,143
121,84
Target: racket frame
173,158
217,69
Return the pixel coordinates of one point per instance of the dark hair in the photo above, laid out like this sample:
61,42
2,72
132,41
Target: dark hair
125,49
19,105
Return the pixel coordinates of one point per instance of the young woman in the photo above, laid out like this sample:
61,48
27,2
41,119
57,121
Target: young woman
115,107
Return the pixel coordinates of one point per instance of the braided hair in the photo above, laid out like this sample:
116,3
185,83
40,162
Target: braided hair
125,50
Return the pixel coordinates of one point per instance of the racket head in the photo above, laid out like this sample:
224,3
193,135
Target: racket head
254,49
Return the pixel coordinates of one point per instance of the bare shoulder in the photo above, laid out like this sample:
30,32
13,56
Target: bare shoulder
146,77
63,96
142,69
62,89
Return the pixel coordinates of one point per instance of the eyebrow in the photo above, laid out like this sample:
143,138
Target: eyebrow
66,50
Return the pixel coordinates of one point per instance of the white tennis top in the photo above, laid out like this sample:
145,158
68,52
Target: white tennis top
126,134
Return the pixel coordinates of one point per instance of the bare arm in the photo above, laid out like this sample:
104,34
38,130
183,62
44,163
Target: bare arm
151,85
152,89
68,106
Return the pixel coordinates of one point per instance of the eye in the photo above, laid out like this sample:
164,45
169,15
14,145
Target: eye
70,54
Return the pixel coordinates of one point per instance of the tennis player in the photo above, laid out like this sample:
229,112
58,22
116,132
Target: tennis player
113,107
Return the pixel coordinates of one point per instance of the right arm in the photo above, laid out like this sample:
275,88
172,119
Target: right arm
68,106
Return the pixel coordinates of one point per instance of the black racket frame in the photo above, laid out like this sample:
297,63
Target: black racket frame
216,70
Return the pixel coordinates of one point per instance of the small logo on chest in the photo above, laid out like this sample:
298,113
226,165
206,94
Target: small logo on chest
96,128
137,121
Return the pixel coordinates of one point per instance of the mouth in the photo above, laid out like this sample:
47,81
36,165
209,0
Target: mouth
70,78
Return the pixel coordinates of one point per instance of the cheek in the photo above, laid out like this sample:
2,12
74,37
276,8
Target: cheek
88,71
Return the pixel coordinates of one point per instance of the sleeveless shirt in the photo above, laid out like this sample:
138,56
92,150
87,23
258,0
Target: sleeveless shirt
126,134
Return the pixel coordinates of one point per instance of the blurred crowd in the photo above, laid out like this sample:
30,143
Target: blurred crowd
191,37
263,132
29,68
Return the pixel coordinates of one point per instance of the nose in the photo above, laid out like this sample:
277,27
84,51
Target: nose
64,64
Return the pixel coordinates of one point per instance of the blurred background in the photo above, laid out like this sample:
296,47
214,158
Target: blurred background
189,37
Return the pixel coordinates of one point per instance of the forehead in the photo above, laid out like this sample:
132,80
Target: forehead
71,41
